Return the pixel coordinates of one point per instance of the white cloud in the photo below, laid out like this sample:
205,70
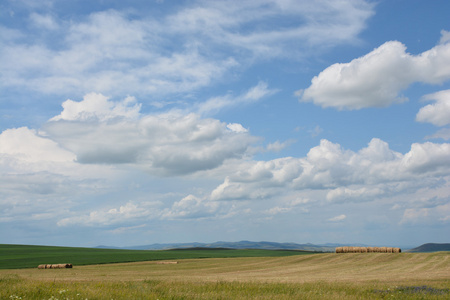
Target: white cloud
443,133
98,107
277,146
95,130
445,36
377,78
438,113
139,56
339,218
44,21
374,171
192,207
236,127
343,194
28,146
216,104
125,213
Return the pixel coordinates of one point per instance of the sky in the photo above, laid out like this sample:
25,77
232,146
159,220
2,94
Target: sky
128,123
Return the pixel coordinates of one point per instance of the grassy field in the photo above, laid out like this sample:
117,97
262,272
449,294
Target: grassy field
318,276
24,256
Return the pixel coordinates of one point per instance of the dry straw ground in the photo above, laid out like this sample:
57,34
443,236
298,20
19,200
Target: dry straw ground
339,276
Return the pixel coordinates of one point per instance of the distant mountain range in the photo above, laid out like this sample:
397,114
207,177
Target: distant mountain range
240,245
329,247
431,247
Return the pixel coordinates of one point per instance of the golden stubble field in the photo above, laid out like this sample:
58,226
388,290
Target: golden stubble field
339,276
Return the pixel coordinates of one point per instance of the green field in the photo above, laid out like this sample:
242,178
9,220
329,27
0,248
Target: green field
24,256
314,276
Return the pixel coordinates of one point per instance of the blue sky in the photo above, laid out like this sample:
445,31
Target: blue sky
137,122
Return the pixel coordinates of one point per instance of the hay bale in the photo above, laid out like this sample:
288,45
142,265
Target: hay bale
396,250
389,249
383,249
55,266
364,250
166,262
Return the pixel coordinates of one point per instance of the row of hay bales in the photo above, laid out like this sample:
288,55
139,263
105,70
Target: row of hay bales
368,250
55,266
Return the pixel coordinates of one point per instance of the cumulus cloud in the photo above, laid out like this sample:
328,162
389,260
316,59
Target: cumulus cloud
96,106
27,145
99,131
374,171
437,113
377,78
345,194
39,178
192,207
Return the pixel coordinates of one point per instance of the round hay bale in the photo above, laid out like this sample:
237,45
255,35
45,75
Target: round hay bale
69,266
383,249
389,249
48,266
397,250
364,250
41,267
345,249
339,250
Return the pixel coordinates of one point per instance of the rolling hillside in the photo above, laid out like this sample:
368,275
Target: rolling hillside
431,247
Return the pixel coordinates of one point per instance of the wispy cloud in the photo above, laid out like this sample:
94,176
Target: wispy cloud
117,53
339,218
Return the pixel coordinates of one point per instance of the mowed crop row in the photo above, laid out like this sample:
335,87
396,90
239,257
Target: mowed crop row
318,276
301,268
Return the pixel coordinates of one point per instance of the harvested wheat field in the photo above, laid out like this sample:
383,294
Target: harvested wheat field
354,275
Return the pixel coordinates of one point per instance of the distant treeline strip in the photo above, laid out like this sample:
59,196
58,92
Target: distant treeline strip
367,250
55,266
